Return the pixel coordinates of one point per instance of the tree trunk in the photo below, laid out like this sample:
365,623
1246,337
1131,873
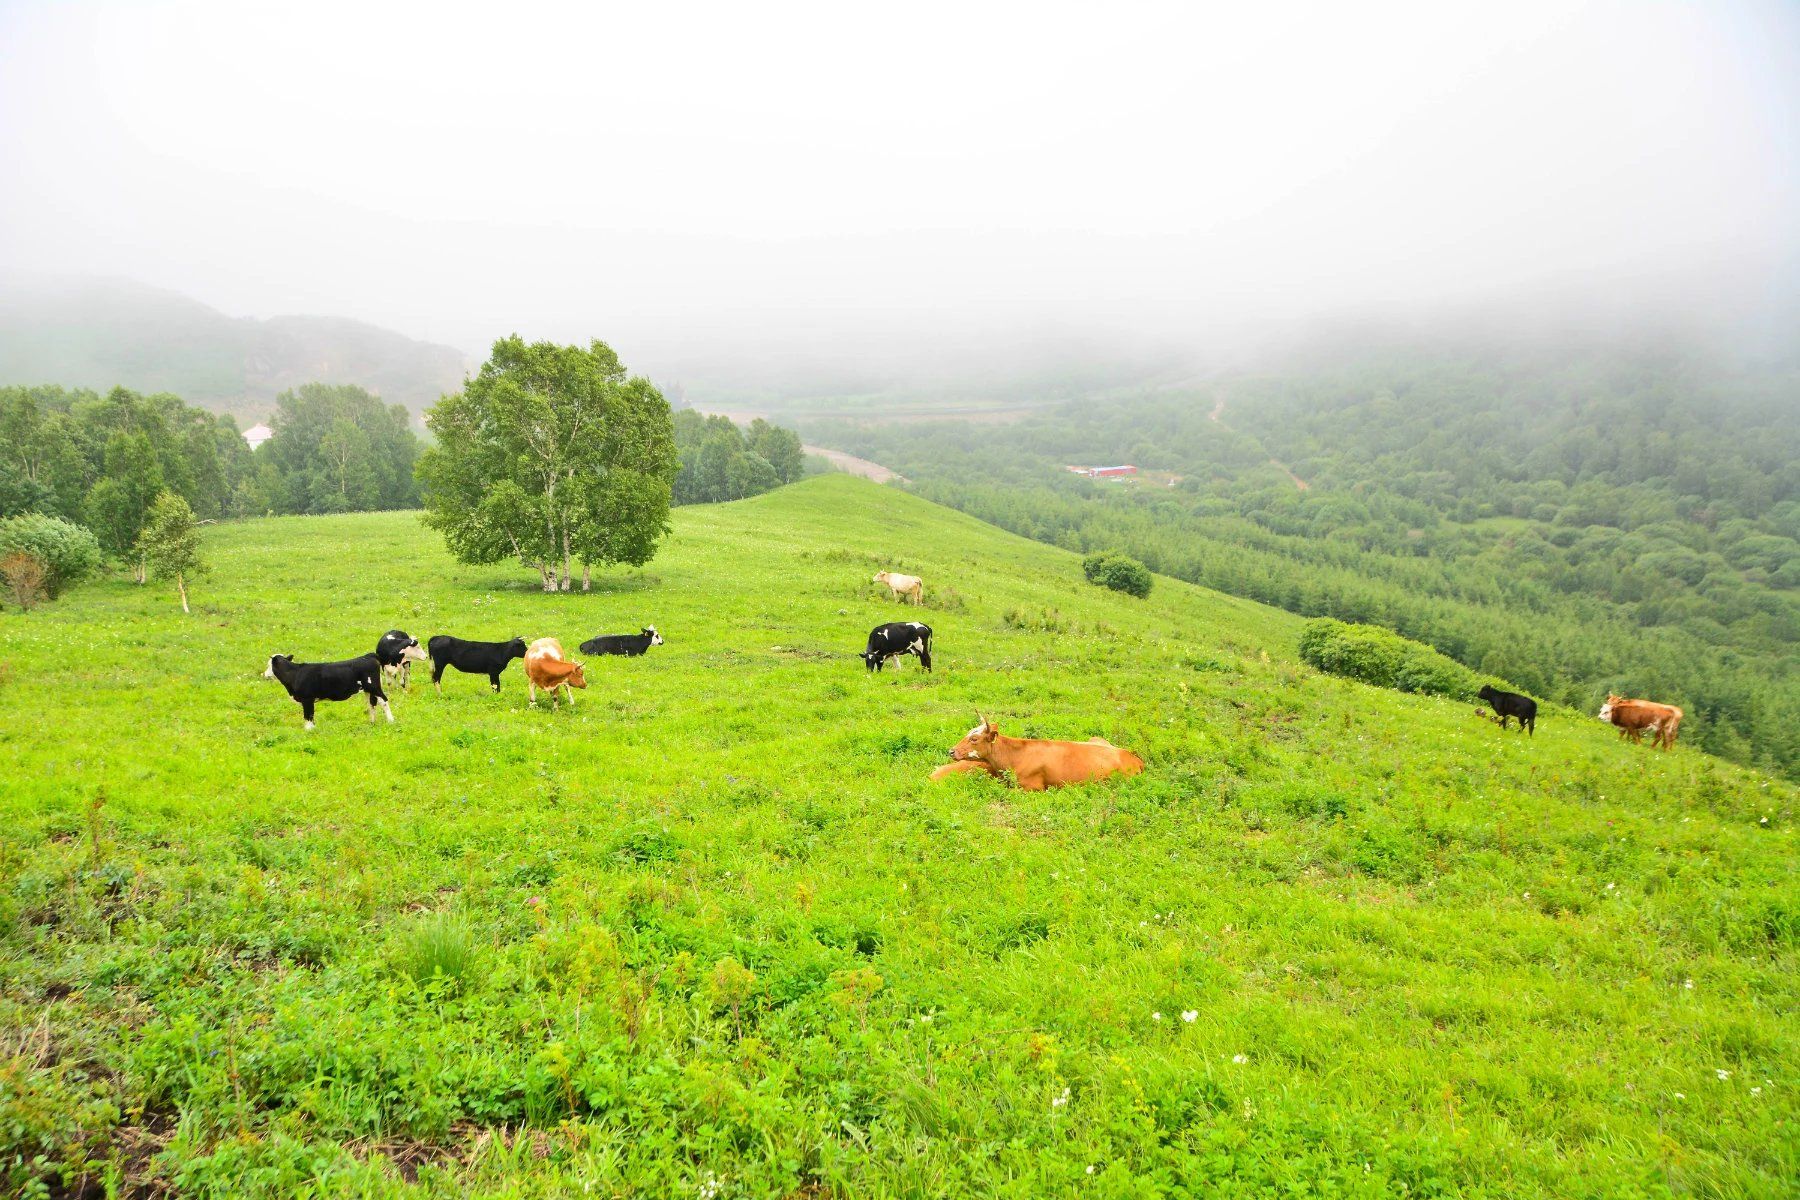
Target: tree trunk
181,586
141,570
549,575
584,577
568,574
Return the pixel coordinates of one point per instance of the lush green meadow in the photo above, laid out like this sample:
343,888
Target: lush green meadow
711,933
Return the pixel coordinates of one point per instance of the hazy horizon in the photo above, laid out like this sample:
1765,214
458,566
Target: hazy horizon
714,189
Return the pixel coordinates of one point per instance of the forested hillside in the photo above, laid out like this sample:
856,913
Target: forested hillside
1571,522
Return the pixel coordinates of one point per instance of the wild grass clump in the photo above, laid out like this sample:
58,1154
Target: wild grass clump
1036,620
438,949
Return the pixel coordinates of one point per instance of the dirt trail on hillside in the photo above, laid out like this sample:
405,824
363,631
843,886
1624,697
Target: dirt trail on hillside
1213,416
857,466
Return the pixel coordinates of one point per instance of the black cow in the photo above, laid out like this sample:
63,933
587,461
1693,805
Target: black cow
632,644
308,683
1511,704
476,658
398,651
896,638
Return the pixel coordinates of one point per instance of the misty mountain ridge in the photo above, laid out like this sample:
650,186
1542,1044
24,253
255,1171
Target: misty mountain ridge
102,333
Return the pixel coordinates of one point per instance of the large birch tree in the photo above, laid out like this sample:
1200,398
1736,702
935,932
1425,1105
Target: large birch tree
553,456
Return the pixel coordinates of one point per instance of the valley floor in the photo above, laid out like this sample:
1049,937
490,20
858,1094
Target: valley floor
710,933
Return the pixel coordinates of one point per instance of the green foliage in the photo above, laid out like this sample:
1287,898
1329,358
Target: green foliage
719,462
169,546
438,950
550,456
68,552
102,460
335,449
1120,572
1383,658
1391,922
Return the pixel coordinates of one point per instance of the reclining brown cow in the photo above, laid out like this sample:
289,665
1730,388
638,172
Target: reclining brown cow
1037,764
1633,717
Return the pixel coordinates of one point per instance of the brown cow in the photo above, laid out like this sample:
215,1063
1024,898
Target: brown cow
546,667
1037,764
1633,717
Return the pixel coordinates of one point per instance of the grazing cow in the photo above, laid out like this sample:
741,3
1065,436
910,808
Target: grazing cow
475,658
1037,765
1633,717
632,644
897,638
546,667
1511,704
398,651
308,683
910,586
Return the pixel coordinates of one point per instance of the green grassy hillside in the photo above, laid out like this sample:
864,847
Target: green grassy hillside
711,933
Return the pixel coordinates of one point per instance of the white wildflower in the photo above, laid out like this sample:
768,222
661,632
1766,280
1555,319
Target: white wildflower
1191,1015
1756,1091
1688,984
1059,1101
1240,1058
1090,1169
1724,1074
1681,1095
1156,1016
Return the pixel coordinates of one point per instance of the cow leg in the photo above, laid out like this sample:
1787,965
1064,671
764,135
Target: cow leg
570,693
306,710
437,676
494,679
531,692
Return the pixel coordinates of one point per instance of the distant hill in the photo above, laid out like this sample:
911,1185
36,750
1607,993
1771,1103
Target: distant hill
100,333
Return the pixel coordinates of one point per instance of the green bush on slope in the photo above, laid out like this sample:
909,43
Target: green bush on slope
1382,657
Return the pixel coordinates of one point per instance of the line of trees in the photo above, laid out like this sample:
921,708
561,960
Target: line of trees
720,461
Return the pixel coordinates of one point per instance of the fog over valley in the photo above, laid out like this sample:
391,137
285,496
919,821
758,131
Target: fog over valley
826,200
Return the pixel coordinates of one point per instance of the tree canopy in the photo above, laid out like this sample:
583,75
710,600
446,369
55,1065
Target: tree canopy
550,455
169,546
720,461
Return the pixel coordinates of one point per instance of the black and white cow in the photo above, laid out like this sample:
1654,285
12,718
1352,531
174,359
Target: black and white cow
897,638
632,644
476,658
309,683
398,651
1511,704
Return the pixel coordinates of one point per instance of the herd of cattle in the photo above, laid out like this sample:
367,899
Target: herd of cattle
1033,764
546,667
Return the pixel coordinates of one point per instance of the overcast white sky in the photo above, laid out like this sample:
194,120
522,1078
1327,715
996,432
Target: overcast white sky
674,176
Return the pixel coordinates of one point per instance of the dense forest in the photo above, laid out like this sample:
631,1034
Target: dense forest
720,461
1572,523
100,459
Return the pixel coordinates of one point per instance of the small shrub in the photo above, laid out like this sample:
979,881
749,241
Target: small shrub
68,552
1371,654
1120,572
26,578
438,948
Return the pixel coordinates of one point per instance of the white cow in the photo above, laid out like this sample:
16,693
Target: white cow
910,586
